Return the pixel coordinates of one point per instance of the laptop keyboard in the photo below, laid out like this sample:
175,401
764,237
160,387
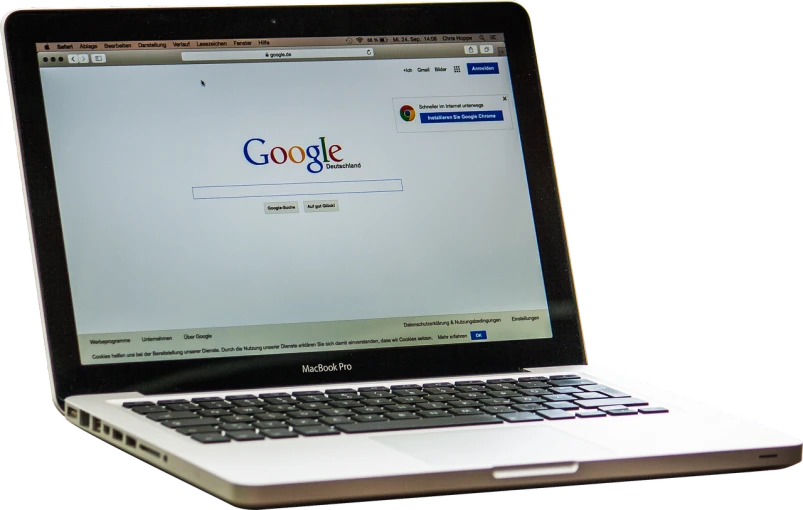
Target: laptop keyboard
399,407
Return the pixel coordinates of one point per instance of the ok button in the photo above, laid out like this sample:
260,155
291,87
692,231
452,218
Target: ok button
479,335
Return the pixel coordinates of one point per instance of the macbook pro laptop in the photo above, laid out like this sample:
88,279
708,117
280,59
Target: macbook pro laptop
330,233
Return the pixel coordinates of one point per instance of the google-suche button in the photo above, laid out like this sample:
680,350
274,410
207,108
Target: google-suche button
483,68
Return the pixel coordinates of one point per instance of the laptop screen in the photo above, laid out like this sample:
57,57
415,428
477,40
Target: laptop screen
272,196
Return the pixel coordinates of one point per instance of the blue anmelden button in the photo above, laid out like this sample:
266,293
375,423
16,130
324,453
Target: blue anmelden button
483,68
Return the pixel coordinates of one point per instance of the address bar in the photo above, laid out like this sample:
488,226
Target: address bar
276,54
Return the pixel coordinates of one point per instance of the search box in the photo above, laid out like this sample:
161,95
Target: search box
290,189
276,54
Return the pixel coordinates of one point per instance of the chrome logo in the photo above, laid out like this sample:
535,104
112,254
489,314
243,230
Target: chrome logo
407,113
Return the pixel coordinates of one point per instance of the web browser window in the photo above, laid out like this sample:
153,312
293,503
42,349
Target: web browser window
257,197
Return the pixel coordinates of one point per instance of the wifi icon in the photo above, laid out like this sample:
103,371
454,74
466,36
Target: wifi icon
359,39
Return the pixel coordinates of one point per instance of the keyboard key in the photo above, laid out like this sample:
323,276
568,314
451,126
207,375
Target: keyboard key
570,382
198,400
606,390
340,390
346,396
409,393
497,409
562,405
318,398
271,395
216,404
528,400
504,393
214,412
502,386
608,408
271,416
597,402
532,379
236,426
347,403
190,422
313,406
308,414
377,402
334,420
398,408
141,403
335,412
317,430
405,387
559,398
519,417
565,389
470,395
464,403
528,407
454,421
376,394
368,410
434,413
210,437
248,402
183,407
188,431
240,397
472,382
245,435
501,381
439,398
495,401
440,390
174,401
280,408
437,385
590,414
429,406
305,393
405,415
280,400
278,433
560,377
409,400
302,422
534,392
652,410
247,410
369,418
555,414
149,409
238,418
269,424
479,389
363,389
589,394
171,415
530,385
622,412
464,411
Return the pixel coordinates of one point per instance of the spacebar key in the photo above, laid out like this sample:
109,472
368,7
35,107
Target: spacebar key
423,423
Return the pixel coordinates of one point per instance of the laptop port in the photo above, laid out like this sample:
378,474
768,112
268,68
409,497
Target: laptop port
107,430
96,423
72,412
150,450
130,441
117,435
84,419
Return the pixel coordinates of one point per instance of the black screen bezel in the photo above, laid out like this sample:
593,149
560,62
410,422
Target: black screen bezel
25,28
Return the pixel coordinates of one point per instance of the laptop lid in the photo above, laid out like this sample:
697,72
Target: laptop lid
240,197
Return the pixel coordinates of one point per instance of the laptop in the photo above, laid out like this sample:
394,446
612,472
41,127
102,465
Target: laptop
293,241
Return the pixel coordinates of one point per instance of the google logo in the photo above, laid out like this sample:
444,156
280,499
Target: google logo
295,154
407,113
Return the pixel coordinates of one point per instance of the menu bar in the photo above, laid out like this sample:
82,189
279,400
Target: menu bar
178,44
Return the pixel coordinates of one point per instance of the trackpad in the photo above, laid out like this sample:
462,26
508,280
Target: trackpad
500,446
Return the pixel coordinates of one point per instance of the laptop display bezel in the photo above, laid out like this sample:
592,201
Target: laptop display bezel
26,28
